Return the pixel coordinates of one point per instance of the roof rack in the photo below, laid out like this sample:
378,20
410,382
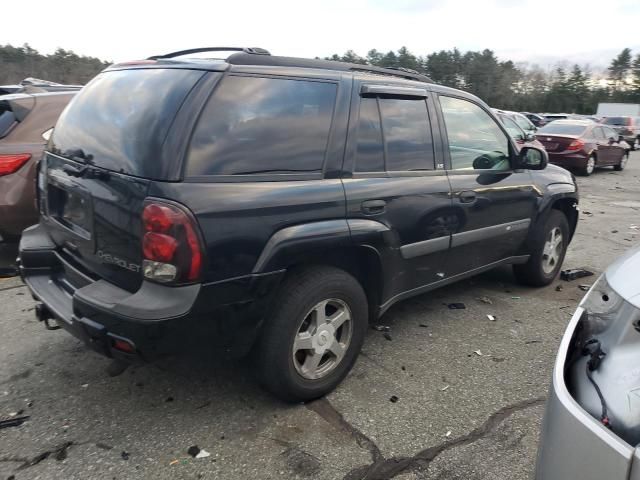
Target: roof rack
243,59
180,53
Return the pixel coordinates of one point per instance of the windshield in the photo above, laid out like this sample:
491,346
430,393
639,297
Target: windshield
556,128
616,121
120,119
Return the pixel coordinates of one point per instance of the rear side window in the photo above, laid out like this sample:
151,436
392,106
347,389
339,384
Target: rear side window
620,121
120,119
555,128
257,125
598,134
405,124
370,151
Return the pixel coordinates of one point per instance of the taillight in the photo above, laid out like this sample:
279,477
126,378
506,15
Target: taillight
12,163
171,246
576,145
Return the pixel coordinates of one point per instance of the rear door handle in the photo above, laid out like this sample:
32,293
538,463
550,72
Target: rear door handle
373,207
468,196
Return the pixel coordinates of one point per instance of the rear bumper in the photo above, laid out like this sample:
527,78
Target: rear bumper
573,444
17,203
574,160
157,320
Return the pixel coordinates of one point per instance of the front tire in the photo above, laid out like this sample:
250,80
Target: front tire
313,335
623,162
548,252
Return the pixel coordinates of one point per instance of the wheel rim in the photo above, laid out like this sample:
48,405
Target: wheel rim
552,251
591,165
322,339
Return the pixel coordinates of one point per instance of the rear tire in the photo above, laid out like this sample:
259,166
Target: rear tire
589,167
300,329
542,269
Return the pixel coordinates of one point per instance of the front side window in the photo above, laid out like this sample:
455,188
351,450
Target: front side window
255,125
407,134
523,123
476,142
511,127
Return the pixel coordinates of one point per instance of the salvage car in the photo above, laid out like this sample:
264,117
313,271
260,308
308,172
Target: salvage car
518,134
627,127
591,428
277,204
26,122
583,145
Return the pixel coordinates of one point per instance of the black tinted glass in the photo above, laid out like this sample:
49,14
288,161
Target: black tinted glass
617,121
555,128
120,119
370,153
7,119
407,134
263,126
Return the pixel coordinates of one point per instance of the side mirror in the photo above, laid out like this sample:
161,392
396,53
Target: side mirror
533,158
620,138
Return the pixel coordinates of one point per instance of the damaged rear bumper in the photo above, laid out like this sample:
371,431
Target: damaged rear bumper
154,321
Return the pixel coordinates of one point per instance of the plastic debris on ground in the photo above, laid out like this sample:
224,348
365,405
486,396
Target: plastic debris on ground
515,298
381,328
574,273
393,399
478,352
491,318
423,325
457,306
559,288
387,336
443,389
486,300
203,454
584,288
125,455
174,462
448,434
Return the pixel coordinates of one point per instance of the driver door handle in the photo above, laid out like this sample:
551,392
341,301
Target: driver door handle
468,196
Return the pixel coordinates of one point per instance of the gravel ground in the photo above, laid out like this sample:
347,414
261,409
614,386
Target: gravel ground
470,391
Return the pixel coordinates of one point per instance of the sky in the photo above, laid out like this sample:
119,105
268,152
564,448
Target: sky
543,32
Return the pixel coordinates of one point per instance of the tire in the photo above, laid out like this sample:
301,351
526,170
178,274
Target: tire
589,167
281,369
636,144
623,162
537,272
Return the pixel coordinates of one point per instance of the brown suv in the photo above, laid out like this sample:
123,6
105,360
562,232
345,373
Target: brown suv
26,121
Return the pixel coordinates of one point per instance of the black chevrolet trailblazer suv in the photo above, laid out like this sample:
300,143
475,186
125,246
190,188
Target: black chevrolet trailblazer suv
276,204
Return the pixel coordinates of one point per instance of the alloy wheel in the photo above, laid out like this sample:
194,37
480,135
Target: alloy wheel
591,165
322,339
552,251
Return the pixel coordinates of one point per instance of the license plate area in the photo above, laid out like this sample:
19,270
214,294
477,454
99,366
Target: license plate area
71,207
550,146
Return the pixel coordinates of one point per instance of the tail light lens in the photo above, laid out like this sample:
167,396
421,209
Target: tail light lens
12,163
576,145
171,246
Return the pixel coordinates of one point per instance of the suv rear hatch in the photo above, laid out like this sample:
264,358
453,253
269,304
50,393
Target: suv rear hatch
107,147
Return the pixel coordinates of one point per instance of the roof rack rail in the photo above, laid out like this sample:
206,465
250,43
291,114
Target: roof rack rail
278,61
180,53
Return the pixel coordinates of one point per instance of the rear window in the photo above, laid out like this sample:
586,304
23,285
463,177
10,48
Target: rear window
617,121
556,128
120,119
254,125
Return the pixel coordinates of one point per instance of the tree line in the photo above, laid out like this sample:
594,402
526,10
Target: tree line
62,66
501,83
505,85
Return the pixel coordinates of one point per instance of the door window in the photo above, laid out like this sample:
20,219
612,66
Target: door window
598,134
476,142
407,135
370,151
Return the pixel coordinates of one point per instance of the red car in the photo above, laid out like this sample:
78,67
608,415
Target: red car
583,145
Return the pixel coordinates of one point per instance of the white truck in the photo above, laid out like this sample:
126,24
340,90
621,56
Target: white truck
618,110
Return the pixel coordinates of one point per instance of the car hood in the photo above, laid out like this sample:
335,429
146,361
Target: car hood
622,276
